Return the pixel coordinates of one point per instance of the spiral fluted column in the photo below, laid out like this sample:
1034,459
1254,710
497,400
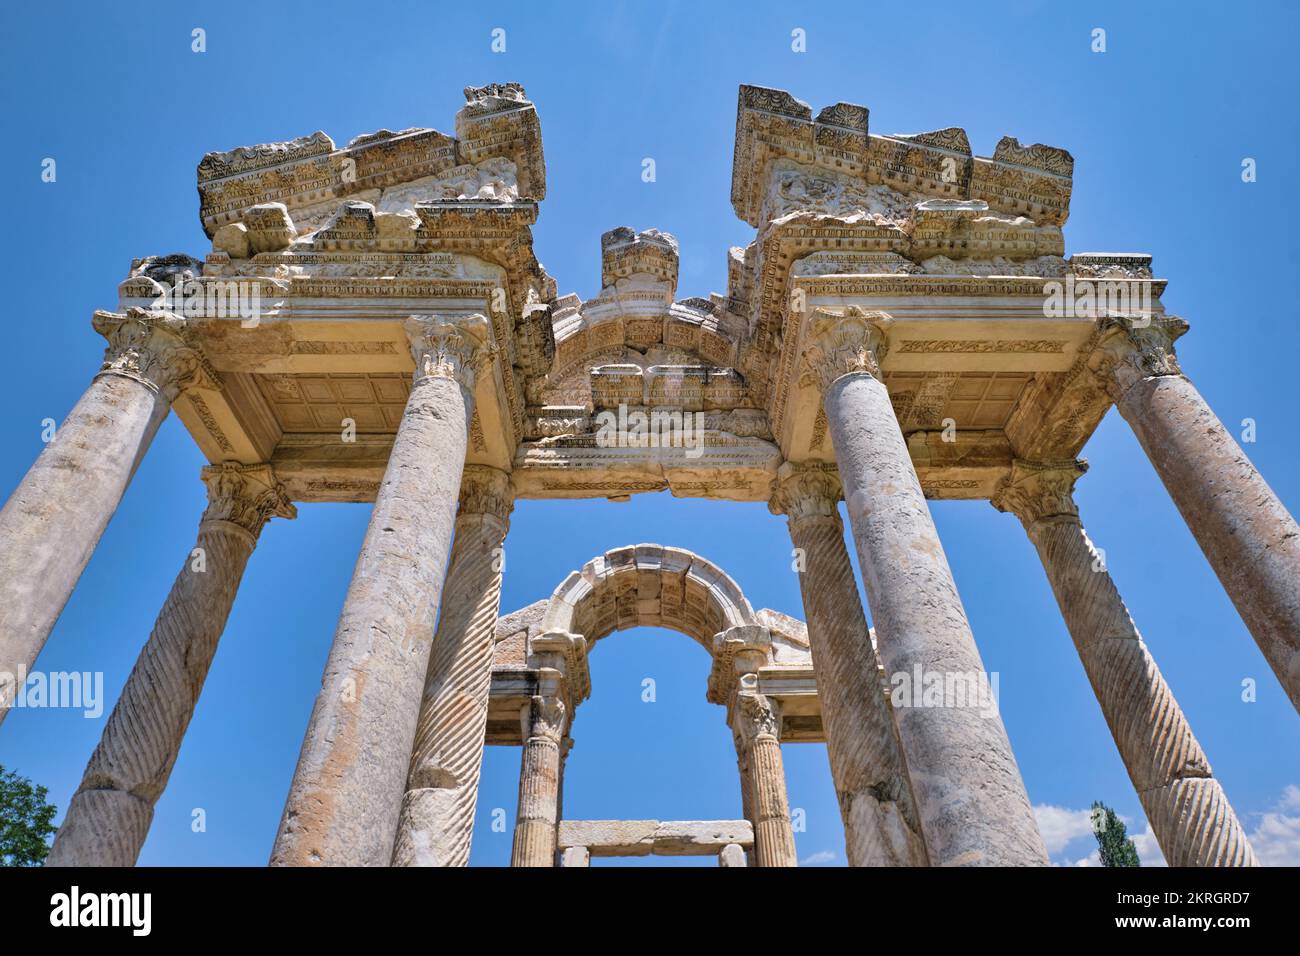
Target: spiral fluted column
53,521
108,817
1188,811
437,820
875,797
1251,541
346,793
969,794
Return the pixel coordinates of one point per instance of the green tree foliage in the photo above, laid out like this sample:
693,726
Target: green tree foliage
1112,838
26,821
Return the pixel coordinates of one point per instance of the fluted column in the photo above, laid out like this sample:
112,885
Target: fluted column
755,722
875,797
746,788
54,519
971,799
537,818
1188,811
108,817
346,793
1249,538
437,820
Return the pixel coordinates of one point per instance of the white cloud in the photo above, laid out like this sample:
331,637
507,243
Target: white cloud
1276,838
821,858
1060,826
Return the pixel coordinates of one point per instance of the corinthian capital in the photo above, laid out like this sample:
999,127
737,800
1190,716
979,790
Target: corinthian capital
546,718
1039,489
806,490
755,716
455,348
843,342
156,349
1134,348
486,491
245,495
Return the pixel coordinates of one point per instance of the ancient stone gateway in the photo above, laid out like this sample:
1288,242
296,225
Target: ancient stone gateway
371,324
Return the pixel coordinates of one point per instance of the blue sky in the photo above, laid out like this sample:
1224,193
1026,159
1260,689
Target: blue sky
1158,124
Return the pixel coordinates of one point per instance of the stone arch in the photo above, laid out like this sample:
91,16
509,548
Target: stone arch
648,585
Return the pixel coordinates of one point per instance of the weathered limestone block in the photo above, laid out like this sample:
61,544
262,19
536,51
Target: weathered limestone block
51,524
575,856
108,817
1248,536
437,819
1187,809
881,826
346,794
972,802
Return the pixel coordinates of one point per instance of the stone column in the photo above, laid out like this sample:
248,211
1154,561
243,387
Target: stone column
51,524
755,721
1249,538
880,820
539,778
1188,811
576,856
746,789
971,799
346,795
732,855
437,820
108,817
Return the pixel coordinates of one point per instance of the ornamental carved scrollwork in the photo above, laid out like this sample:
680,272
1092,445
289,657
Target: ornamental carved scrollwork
1037,490
1130,349
154,348
455,348
245,495
843,343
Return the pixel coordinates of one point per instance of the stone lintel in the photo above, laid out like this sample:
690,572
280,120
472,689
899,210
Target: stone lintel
663,838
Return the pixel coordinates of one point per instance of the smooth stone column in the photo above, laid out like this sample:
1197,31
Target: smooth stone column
346,794
1249,538
437,819
108,817
575,856
537,818
881,827
755,723
732,855
972,801
51,524
1188,810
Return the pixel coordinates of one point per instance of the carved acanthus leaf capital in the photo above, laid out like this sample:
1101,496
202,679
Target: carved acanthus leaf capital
844,342
455,348
245,495
1035,490
156,349
806,490
1131,348
547,718
485,490
755,716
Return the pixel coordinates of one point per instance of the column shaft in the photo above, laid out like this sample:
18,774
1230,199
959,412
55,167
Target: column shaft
1187,808
437,819
539,777
108,817
346,794
875,797
1251,541
756,725
52,523
969,793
